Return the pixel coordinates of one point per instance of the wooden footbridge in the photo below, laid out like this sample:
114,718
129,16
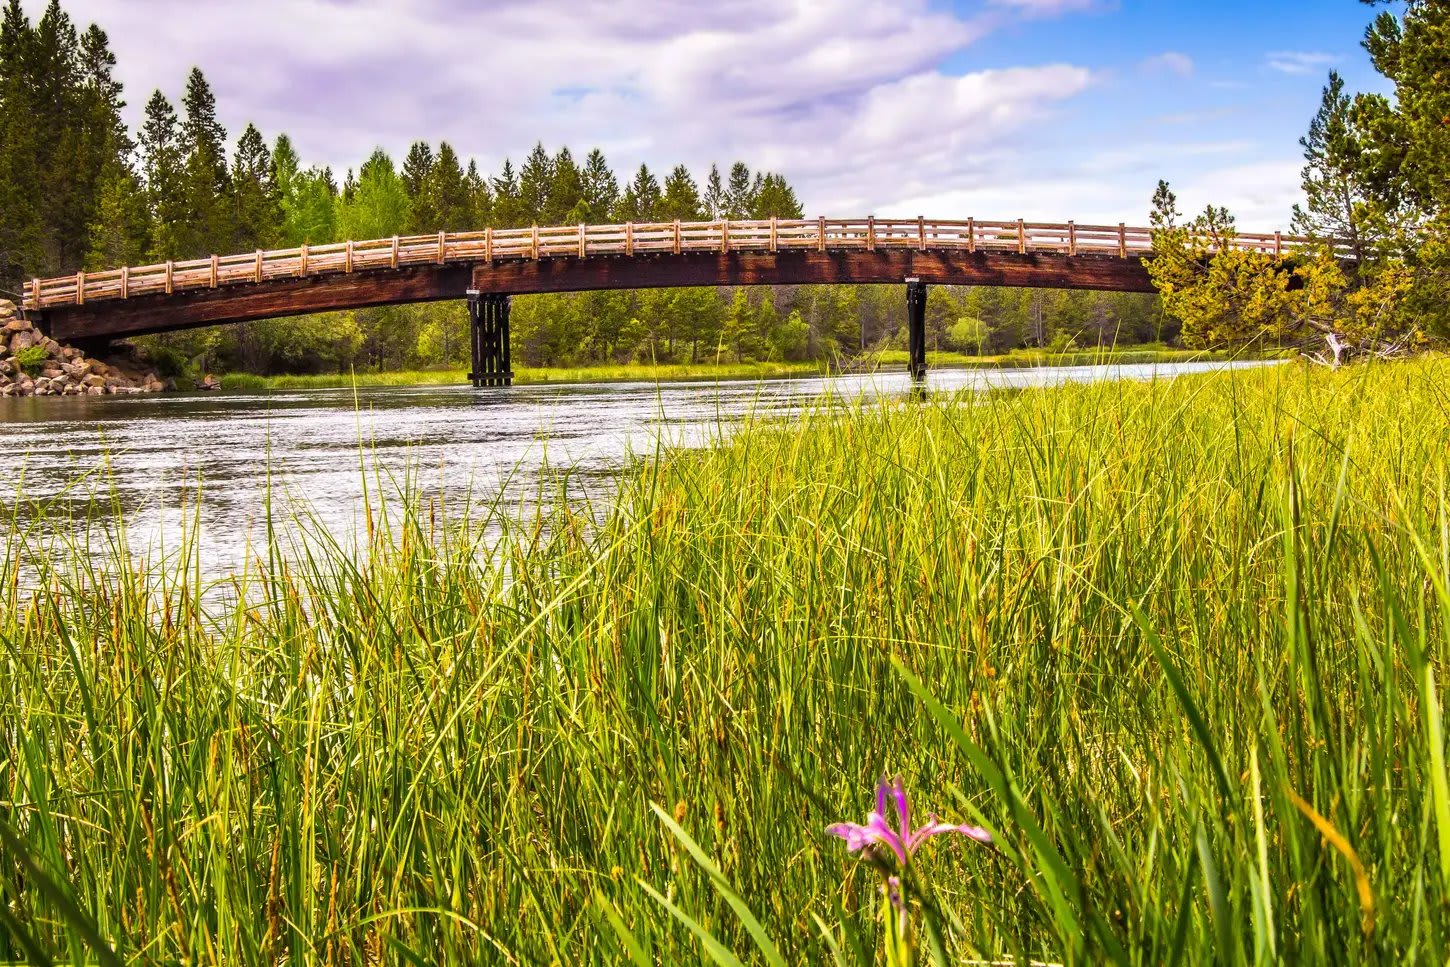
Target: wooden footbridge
489,266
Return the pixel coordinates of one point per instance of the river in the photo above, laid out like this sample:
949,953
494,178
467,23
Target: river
143,459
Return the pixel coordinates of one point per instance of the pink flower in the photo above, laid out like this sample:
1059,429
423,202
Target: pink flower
903,841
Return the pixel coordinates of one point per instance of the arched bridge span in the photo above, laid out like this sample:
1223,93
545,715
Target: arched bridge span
490,265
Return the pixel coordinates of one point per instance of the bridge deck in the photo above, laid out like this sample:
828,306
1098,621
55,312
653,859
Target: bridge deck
264,284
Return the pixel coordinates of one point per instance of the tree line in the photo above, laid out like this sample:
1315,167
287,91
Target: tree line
1377,205
79,189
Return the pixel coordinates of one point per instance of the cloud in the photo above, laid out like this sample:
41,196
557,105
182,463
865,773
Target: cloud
1298,62
1047,8
1171,62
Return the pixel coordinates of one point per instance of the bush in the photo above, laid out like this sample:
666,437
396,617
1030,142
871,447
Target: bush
31,360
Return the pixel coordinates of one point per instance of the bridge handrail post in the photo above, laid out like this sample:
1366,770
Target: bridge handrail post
629,239
583,243
1021,237
774,237
170,276
724,235
1278,245
394,256
81,288
302,260
821,232
679,242
1072,239
258,272
1122,240
215,270
35,292
347,258
488,244
870,233
534,238
921,233
126,282
442,247
971,235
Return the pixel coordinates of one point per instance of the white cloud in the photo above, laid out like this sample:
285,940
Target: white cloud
1299,62
1044,8
1171,62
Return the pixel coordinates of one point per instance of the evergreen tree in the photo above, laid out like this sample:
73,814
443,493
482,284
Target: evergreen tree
739,200
286,168
207,228
714,200
448,192
117,232
535,179
774,197
62,182
480,198
566,192
311,213
641,201
508,207
20,216
163,168
257,205
601,189
417,180
1331,180
681,198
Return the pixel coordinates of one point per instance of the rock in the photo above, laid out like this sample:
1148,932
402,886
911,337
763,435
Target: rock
70,354
21,341
93,381
78,369
7,308
156,386
17,325
95,390
51,346
51,372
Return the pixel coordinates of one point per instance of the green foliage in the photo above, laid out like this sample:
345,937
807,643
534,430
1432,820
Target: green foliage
31,359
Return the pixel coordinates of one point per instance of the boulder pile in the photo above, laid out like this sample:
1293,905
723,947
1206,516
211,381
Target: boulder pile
33,364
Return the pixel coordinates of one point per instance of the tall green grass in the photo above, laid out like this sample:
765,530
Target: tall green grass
1179,644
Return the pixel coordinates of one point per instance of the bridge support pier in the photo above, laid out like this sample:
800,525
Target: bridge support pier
488,318
916,328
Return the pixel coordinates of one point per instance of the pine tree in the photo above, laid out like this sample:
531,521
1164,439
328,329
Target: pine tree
508,208
714,201
601,188
64,185
1331,173
641,201
774,197
417,178
208,226
257,204
19,166
681,198
566,191
311,215
739,200
163,169
535,180
286,167
480,198
117,232
448,192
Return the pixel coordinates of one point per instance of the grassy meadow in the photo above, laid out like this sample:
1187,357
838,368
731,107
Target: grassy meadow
1179,645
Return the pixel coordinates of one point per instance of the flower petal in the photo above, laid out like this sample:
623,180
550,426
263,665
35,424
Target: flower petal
934,828
903,809
881,833
856,836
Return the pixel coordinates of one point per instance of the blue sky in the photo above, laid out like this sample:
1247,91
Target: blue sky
1043,109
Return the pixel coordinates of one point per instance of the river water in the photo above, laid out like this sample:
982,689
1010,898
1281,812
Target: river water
74,463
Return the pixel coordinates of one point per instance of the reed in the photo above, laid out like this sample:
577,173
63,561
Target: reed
1179,645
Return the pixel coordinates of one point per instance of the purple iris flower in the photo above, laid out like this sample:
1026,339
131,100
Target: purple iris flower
903,841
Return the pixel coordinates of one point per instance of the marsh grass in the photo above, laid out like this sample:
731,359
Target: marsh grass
1179,644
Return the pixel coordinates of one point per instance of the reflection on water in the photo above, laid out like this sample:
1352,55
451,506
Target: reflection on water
146,455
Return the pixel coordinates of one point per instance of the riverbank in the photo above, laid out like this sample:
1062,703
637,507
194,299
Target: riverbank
1182,643
667,373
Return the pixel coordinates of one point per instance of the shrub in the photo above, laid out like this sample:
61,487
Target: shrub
31,359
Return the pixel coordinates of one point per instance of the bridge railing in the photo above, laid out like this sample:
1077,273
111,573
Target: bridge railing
629,240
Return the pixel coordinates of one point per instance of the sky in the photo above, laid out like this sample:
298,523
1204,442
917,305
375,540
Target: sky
998,109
